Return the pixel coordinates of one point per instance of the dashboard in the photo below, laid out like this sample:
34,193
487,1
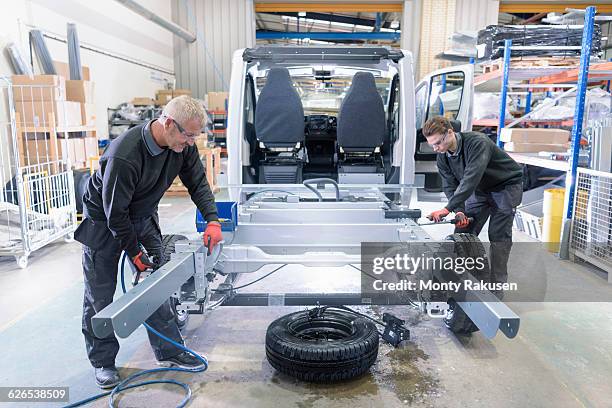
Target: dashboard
320,125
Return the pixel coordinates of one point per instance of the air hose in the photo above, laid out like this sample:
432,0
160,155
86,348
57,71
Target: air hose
125,384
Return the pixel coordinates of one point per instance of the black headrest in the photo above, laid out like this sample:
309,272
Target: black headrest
279,115
361,120
456,125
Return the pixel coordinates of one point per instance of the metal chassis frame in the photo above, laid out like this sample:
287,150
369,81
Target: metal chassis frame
305,242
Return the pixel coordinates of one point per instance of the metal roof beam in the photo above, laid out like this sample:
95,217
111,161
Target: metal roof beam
327,36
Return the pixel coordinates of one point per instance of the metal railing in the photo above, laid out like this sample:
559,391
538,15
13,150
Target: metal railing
599,134
591,232
37,204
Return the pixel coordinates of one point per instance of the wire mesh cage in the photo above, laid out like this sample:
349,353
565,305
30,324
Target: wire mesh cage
591,233
37,204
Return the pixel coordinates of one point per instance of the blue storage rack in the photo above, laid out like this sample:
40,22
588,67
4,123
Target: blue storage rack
579,109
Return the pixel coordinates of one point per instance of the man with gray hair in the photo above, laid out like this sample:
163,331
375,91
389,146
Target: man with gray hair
120,214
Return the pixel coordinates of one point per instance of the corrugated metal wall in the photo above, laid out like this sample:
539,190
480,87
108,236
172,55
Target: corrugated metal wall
473,15
221,27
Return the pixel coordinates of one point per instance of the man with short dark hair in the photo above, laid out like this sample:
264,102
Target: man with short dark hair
120,214
480,181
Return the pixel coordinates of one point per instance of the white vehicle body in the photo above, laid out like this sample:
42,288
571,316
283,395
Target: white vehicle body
309,224
448,91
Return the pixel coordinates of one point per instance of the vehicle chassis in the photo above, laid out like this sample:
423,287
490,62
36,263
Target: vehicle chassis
285,225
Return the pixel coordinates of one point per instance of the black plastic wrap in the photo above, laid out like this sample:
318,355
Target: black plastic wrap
493,36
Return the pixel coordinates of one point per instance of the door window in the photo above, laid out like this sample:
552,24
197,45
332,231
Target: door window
421,104
445,95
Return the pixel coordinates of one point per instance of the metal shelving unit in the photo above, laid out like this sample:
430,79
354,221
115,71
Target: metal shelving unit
219,127
575,80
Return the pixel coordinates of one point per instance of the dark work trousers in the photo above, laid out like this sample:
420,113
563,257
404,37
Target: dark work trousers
101,253
500,206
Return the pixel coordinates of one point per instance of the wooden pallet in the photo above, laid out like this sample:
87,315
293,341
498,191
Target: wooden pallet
176,192
182,192
531,62
597,71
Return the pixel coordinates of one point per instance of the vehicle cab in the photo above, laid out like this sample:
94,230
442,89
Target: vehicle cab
348,113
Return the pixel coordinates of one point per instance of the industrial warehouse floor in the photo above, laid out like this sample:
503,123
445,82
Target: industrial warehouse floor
562,356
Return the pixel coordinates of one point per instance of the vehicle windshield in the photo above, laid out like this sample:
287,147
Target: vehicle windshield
322,88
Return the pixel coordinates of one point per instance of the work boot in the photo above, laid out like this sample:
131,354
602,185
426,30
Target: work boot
107,377
183,360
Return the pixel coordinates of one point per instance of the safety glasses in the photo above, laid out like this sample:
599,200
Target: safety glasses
183,132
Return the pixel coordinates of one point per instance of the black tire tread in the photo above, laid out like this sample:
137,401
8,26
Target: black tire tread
322,362
168,248
466,245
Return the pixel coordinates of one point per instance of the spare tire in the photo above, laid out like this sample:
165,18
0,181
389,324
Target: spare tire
168,248
467,246
336,345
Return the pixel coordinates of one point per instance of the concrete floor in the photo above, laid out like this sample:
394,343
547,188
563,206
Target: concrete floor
562,356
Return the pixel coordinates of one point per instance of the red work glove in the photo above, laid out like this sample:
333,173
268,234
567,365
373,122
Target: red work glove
142,262
213,235
461,220
437,216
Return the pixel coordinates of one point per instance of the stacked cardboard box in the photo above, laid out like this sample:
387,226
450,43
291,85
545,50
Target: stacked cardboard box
42,98
76,150
58,109
163,96
534,140
82,91
143,101
216,101
179,92
63,70
79,91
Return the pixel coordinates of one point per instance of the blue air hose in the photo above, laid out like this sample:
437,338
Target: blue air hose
123,385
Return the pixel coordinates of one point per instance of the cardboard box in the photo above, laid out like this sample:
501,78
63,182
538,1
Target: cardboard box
38,151
163,96
88,114
516,147
91,147
143,101
80,159
73,113
216,101
179,92
80,91
63,69
535,135
36,113
41,151
38,88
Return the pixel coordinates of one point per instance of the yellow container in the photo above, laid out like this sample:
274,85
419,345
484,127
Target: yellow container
553,218
582,200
